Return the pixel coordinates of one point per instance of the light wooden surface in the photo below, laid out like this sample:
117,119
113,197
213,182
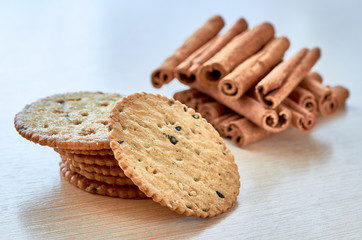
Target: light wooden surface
294,185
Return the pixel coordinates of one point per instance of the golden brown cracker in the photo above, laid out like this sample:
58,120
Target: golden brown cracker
173,155
99,160
92,186
68,121
96,176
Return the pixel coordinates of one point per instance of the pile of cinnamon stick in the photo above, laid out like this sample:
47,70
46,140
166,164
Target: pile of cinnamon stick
241,84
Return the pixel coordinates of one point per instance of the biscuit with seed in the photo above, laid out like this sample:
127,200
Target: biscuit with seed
173,155
96,176
93,186
77,121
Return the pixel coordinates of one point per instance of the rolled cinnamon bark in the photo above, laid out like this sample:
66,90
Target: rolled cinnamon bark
316,76
212,110
186,95
239,26
222,124
245,132
192,98
236,51
302,119
195,103
327,104
249,72
304,98
165,73
341,94
182,70
281,81
186,71
272,120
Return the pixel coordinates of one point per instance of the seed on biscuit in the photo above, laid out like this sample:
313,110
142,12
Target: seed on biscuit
219,194
183,175
173,140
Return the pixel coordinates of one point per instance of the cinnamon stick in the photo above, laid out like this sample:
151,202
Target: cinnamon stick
195,103
212,110
165,73
182,70
192,98
239,26
304,98
245,132
281,81
272,120
249,72
341,94
302,119
186,95
327,104
186,72
236,51
222,124
215,113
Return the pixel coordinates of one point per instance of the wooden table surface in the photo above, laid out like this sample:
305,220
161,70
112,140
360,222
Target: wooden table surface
294,185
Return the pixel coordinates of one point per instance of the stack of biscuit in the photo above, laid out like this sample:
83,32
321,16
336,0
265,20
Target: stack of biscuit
139,146
76,126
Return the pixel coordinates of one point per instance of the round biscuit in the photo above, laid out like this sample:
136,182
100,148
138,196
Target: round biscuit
173,155
76,121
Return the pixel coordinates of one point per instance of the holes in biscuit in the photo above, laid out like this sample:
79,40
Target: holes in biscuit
104,104
139,159
178,159
74,99
45,125
197,151
104,122
60,101
53,132
77,121
84,114
87,131
58,111
151,170
196,179
189,206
